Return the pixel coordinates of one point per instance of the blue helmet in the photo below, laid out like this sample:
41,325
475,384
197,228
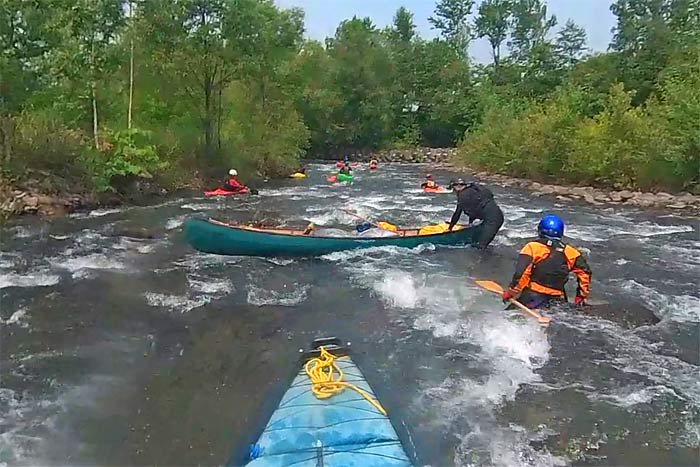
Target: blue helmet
551,226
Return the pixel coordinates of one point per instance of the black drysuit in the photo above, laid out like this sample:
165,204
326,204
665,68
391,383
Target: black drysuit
477,202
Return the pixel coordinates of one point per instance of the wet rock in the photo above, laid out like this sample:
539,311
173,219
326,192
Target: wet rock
44,199
601,198
582,190
589,198
133,232
616,197
625,195
677,205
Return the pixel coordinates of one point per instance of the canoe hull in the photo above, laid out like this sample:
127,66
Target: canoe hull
212,237
343,430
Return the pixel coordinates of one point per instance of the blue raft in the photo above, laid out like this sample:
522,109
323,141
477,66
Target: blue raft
343,430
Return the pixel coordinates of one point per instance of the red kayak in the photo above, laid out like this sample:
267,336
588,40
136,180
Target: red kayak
440,189
372,167
332,178
340,164
222,192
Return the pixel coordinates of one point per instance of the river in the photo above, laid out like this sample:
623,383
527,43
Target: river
123,350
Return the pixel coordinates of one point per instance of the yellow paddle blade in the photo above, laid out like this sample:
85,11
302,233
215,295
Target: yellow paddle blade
491,286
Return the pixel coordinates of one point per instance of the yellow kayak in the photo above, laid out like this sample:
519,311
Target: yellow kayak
298,175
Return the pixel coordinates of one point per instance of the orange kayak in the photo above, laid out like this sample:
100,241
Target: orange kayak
440,189
222,192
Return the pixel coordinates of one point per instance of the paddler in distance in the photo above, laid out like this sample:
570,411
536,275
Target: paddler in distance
345,169
429,182
477,202
232,184
544,266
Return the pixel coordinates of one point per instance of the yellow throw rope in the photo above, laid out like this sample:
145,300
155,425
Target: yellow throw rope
322,372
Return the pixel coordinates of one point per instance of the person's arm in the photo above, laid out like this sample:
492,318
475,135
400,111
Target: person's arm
523,270
583,275
455,217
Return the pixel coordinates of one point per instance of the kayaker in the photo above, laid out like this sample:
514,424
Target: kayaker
301,170
544,266
232,183
477,202
345,170
429,182
373,164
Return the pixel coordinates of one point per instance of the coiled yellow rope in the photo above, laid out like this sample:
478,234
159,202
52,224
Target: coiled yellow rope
322,372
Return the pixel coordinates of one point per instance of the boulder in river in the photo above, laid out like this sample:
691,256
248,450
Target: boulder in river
133,232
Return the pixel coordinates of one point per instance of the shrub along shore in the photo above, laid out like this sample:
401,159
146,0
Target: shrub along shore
30,200
98,96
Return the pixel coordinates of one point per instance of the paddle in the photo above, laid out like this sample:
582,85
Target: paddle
496,288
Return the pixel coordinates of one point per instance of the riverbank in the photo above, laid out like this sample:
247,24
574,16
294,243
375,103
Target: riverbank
30,197
596,196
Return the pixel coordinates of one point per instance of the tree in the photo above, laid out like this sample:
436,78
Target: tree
22,45
530,25
88,29
404,28
205,44
571,43
363,75
451,17
493,24
131,63
647,33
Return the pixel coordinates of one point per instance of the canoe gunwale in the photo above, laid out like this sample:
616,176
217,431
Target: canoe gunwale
292,232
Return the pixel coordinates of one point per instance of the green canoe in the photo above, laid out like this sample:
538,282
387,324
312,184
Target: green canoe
212,236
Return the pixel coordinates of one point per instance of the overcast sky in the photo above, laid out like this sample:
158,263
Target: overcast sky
323,17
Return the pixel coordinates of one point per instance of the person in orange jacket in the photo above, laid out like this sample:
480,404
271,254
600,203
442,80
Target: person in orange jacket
429,182
544,266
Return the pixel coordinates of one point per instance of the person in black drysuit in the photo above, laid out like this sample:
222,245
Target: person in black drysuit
477,202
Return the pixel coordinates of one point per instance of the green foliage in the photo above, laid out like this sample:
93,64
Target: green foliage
452,19
129,153
45,143
571,43
220,83
492,23
267,139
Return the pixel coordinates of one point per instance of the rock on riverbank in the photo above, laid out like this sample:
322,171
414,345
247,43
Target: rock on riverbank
413,155
30,198
599,196
588,194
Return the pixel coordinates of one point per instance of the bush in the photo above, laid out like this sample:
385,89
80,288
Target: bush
656,146
130,153
676,115
40,141
614,146
268,137
529,142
